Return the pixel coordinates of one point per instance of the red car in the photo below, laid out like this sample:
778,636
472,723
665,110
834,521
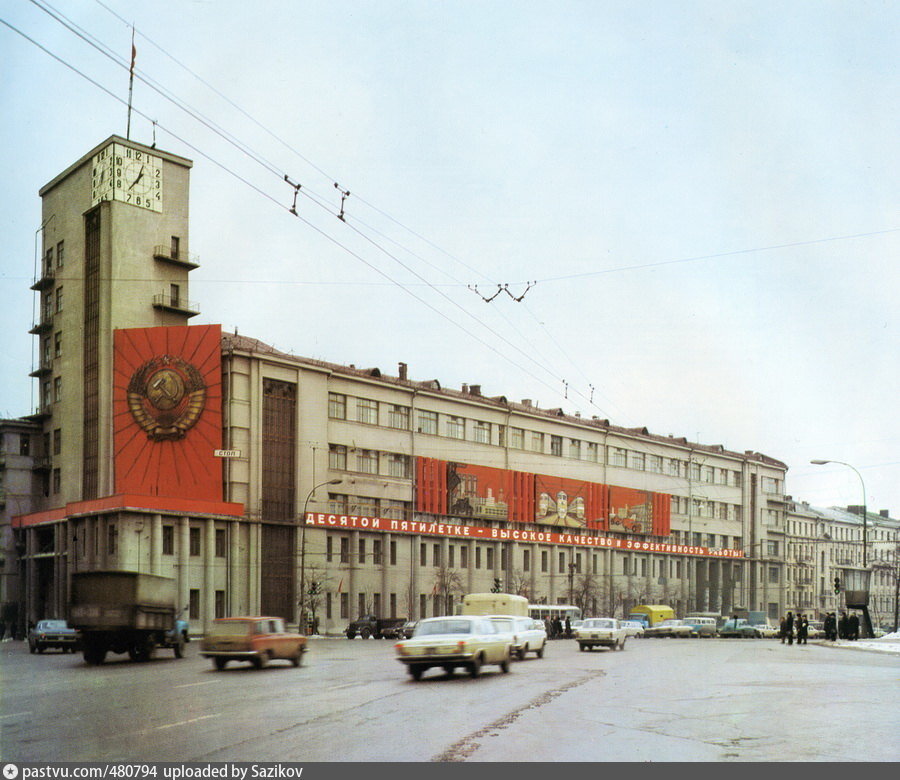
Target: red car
254,639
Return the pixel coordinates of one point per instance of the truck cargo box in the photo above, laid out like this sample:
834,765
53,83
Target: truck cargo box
120,588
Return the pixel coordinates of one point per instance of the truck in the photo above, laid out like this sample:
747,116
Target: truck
125,612
380,628
495,604
650,615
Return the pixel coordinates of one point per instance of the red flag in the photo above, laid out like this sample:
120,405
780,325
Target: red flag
133,53
340,585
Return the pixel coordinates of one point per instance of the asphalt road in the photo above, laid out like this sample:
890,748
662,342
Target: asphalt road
658,700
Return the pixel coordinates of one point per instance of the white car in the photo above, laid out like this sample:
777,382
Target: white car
527,635
605,632
766,631
671,627
469,641
632,628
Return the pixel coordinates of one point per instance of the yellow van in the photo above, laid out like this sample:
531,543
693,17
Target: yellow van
651,614
494,604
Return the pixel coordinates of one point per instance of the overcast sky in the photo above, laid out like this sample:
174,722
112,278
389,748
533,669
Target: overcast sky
705,193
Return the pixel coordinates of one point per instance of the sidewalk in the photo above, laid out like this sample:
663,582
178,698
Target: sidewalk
886,644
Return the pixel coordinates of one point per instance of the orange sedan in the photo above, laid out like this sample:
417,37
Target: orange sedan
254,639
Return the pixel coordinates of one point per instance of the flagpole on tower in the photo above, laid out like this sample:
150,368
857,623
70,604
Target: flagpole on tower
130,84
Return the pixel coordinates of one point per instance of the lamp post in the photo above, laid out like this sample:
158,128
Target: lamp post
303,550
865,522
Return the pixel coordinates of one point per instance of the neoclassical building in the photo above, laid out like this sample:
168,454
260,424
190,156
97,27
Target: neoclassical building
263,482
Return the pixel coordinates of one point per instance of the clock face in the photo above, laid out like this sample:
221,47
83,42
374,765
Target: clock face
127,175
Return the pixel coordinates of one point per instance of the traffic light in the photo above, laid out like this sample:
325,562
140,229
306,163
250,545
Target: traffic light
837,584
496,588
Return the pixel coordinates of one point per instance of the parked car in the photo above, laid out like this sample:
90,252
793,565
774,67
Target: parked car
408,629
371,625
702,626
53,633
671,627
601,632
527,635
815,629
468,641
633,628
254,639
738,628
766,631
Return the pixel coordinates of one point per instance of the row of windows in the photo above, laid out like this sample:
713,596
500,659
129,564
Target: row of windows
390,464
371,412
48,258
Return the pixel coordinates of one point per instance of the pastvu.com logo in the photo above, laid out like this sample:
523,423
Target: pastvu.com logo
10,771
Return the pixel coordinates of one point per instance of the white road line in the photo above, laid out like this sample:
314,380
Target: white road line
193,685
338,687
15,715
185,722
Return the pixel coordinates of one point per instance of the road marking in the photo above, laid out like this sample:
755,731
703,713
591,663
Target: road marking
192,685
15,715
338,687
185,722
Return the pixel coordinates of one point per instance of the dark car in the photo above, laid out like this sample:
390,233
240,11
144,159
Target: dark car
408,629
53,633
738,628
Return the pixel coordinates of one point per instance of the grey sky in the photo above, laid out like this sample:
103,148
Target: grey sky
587,146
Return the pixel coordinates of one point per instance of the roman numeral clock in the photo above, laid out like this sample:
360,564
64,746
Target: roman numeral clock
127,175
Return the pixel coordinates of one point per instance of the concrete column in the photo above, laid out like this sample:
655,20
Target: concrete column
183,549
385,576
156,544
352,575
414,546
715,578
209,571
470,573
236,598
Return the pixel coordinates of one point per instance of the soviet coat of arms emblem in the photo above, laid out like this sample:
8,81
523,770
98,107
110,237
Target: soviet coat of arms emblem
166,396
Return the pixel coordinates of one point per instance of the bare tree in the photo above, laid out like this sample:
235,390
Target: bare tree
586,593
520,583
447,582
310,602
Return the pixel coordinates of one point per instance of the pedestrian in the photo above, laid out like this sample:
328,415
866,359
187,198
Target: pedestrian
827,625
781,629
803,633
853,626
568,628
557,627
842,625
548,627
789,627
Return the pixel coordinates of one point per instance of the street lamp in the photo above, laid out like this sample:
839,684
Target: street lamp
303,549
865,522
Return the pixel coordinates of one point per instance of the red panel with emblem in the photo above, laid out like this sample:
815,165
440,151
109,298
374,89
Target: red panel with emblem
167,409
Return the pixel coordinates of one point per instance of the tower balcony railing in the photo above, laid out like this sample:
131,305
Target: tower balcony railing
169,254
175,303
48,276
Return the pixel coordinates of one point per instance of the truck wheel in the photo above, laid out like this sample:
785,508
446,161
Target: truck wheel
351,634
94,655
219,663
365,633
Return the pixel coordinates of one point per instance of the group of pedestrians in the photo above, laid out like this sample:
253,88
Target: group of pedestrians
555,628
791,626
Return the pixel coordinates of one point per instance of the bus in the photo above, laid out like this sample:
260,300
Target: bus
553,611
494,604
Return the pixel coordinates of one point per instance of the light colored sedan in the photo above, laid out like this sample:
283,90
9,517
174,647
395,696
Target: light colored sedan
632,628
469,641
766,631
603,632
671,627
527,635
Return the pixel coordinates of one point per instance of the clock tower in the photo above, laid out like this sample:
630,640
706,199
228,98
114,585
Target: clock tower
115,256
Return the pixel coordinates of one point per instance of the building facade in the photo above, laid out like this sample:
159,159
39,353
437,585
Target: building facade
268,483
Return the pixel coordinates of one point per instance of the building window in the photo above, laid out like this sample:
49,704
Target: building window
377,557
398,465
398,417
59,298
545,561
463,557
654,464
57,441
362,551
168,540
771,547
456,427
618,456
517,438
423,554
477,557
361,604
57,480
773,575
562,563
367,411
393,553
556,445
60,249
57,344
194,541
174,247
174,295
112,539
481,432
220,543
428,422
220,604
393,604
376,607
526,560
337,457
345,606
436,555
537,441
637,461
451,554
575,449
345,550
57,389
329,549
194,604
337,406
490,558
338,503
367,461
423,604
592,452
394,510
24,444
501,435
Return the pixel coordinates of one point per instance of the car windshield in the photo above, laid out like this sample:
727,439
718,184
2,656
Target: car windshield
599,623
52,625
431,627
502,624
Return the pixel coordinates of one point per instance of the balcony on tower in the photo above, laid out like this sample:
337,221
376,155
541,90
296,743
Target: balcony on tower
175,302
174,255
